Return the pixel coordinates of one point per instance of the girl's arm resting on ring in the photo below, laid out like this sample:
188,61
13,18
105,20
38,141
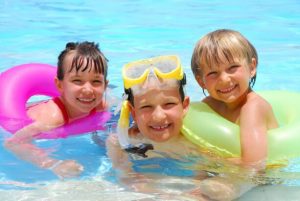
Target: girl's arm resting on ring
21,145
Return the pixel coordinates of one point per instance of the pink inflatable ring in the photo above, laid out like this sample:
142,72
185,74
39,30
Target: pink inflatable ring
21,82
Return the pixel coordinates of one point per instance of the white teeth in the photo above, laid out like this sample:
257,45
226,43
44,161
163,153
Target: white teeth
86,99
227,90
160,127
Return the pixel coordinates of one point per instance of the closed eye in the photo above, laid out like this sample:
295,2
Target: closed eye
170,104
145,107
212,74
233,68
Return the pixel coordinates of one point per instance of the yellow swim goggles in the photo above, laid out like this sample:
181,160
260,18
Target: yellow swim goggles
165,67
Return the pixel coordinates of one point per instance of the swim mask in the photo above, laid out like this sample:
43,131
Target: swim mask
139,76
164,67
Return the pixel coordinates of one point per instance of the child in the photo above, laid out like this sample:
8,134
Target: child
81,81
156,100
224,63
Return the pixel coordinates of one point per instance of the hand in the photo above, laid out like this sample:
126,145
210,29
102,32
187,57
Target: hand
68,169
195,194
217,188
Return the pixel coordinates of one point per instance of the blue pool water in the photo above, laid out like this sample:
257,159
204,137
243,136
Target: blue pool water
36,31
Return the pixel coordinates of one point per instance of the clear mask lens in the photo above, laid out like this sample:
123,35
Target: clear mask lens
136,70
153,82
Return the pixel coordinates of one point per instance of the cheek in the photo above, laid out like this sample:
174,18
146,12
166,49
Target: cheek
207,83
100,90
139,119
177,119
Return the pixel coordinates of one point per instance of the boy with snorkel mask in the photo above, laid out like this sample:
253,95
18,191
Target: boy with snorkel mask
156,75
155,98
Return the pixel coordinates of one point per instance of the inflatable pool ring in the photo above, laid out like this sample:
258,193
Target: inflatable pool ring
21,82
210,131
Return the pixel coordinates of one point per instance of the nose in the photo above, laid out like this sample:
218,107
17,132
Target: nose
225,77
87,88
158,114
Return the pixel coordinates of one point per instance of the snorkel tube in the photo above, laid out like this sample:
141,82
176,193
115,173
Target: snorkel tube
138,77
122,132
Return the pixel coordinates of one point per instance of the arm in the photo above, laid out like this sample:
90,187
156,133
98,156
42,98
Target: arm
253,132
120,161
118,157
21,145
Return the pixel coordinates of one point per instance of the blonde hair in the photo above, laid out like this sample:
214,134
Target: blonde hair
213,48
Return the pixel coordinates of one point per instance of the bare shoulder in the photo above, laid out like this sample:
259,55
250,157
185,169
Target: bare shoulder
257,103
259,109
47,113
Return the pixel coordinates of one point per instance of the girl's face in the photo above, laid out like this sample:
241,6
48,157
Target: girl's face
80,91
228,82
159,113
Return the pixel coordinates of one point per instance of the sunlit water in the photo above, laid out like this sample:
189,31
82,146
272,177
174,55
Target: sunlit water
36,31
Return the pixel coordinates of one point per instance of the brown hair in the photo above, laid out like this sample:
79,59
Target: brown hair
88,51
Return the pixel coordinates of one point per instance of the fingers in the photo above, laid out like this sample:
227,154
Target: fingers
68,169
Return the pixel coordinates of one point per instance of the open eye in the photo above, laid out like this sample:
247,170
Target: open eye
76,81
97,82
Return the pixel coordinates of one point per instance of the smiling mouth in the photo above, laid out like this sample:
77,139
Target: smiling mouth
227,90
161,127
86,100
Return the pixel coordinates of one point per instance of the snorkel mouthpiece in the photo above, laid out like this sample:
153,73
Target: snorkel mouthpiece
140,150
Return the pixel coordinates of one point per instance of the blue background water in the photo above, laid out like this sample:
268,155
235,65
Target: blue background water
36,31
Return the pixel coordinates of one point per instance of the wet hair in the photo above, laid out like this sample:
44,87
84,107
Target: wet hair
213,48
84,51
181,84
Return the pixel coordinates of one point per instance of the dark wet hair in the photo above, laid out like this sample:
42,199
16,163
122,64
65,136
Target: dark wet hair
84,51
181,84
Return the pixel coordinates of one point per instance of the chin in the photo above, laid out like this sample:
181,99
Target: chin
165,138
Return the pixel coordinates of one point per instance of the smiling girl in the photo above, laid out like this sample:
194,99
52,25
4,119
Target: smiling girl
81,81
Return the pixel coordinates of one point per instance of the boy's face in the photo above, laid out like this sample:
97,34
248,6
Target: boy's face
227,82
159,113
81,91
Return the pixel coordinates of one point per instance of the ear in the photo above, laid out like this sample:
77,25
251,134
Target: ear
106,84
253,66
186,105
132,111
200,81
58,84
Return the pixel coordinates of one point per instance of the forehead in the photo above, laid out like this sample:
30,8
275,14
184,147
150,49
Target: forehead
157,95
68,60
221,61
74,63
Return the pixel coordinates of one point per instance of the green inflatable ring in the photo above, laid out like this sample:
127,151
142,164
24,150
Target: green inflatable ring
210,131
